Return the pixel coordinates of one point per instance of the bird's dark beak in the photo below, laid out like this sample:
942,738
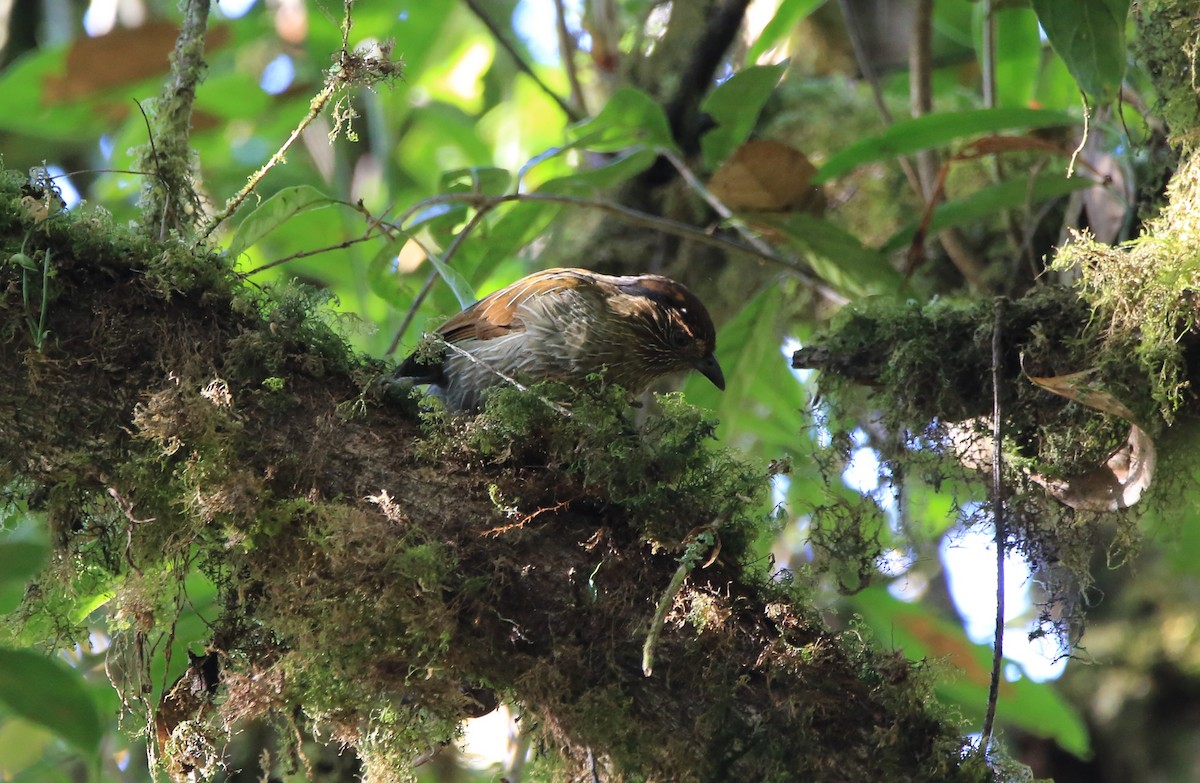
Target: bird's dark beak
709,368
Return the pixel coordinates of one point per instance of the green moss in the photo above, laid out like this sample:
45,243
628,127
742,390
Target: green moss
652,470
1166,44
1145,291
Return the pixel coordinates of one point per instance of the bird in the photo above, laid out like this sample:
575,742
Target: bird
567,324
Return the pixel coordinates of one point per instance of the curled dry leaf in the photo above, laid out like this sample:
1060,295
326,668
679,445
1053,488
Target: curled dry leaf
767,176
1120,481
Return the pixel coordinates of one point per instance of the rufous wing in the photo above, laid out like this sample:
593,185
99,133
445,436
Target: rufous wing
494,316
498,314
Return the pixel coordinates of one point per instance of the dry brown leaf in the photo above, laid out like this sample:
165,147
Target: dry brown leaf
1077,387
767,176
121,58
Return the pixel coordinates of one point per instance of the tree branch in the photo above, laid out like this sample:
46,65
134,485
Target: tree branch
354,580
572,113
170,201
695,82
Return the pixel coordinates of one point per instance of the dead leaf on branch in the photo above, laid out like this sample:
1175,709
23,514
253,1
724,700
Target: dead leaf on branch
768,176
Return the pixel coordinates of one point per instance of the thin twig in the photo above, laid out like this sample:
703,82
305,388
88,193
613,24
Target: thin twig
634,217
927,173
920,87
572,114
350,68
989,55
566,51
863,60
989,102
738,225
306,253
333,83
631,216
998,523
446,258
374,224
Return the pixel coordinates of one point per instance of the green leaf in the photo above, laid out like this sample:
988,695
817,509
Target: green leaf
383,279
278,209
915,629
789,14
520,224
19,562
629,118
463,291
26,107
484,180
1056,88
1090,37
234,96
620,168
1013,194
934,130
27,753
735,106
1018,56
46,692
836,256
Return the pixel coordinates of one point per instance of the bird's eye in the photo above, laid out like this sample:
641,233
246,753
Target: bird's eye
679,339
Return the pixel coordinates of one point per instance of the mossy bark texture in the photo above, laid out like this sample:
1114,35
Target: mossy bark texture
170,419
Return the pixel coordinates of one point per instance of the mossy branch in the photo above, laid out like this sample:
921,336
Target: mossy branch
169,201
357,588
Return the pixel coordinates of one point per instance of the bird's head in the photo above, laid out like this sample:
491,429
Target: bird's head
675,330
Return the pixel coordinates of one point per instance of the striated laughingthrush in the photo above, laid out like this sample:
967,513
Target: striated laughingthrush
565,324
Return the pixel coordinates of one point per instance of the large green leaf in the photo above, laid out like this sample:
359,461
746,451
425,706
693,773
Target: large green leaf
463,292
19,562
46,692
836,256
273,212
935,130
1018,56
1013,194
735,106
921,634
26,110
1090,37
630,117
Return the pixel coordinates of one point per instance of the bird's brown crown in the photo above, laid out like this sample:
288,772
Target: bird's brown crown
675,307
